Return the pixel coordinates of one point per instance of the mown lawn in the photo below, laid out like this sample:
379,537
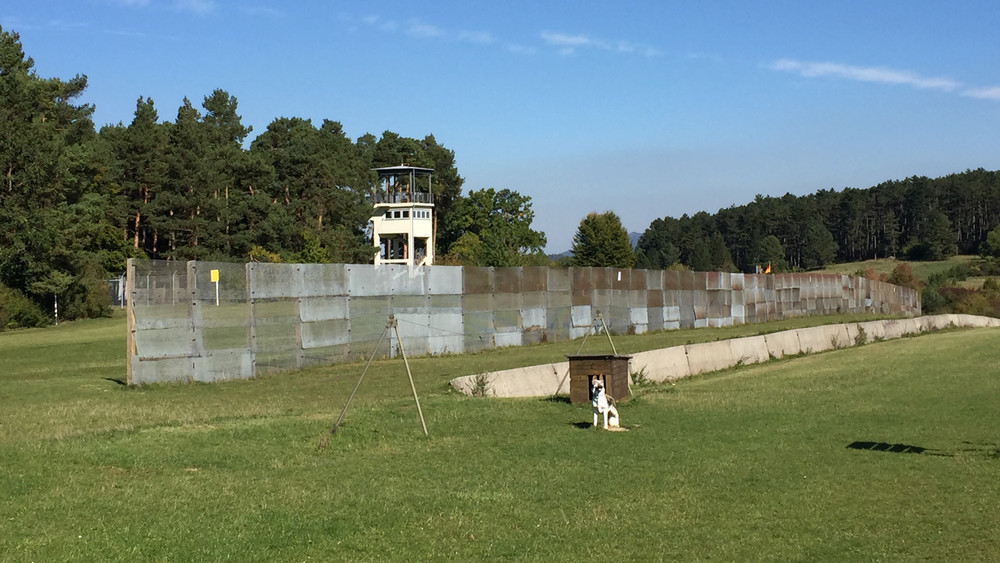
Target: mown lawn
750,464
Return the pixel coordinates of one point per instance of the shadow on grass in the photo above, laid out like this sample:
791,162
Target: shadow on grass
884,447
989,450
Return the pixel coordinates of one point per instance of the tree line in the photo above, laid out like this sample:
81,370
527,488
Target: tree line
76,202
917,218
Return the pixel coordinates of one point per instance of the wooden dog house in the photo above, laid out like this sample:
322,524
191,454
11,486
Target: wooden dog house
612,369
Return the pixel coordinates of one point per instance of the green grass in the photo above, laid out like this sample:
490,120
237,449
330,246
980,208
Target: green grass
923,270
749,464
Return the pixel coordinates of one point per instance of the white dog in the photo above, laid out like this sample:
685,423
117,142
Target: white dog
603,404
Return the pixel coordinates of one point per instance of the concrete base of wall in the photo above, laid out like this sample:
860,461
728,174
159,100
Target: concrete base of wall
709,356
678,362
531,381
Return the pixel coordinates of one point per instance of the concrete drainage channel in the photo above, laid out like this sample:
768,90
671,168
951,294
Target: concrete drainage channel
678,362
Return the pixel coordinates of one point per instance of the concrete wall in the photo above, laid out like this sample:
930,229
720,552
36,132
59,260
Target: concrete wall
678,362
208,321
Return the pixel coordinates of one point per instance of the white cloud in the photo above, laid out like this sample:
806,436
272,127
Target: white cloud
992,93
879,75
565,40
563,43
566,44
263,11
480,37
388,26
129,34
519,49
424,30
65,25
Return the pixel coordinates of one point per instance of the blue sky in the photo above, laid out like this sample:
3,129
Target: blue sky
647,109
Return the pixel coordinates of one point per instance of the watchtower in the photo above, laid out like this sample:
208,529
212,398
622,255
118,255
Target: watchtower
403,217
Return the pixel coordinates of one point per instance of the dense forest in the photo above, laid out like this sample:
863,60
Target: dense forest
917,218
77,202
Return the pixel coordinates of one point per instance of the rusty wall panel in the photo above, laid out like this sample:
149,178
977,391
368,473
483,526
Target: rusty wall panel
477,280
654,298
637,279
713,280
582,279
507,302
654,279
736,281
672,280
687,281
601,278
507,280
534,278
559,279
582,286
719,304
699,281
686,305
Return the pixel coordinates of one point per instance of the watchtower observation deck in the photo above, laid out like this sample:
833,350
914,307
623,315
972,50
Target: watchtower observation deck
403,216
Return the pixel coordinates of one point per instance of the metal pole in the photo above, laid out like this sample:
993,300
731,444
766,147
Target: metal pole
392,321
599,316
628,377
580,349
351,398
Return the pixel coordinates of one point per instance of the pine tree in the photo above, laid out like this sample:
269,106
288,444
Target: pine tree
601,240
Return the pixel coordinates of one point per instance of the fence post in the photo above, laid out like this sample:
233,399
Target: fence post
195,321
129,318
251,320
300,351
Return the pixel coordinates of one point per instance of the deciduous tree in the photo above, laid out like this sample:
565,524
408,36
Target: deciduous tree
501,222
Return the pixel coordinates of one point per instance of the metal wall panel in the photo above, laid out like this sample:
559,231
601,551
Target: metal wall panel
313,309
260,318
477,280
559,280
320,334
444,280
223,365
321,280
534,278
507,280
387,279
165,342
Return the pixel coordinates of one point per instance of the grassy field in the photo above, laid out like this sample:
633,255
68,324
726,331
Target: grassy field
749,464
923,270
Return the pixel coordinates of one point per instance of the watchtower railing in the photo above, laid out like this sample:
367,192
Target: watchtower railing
417,197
